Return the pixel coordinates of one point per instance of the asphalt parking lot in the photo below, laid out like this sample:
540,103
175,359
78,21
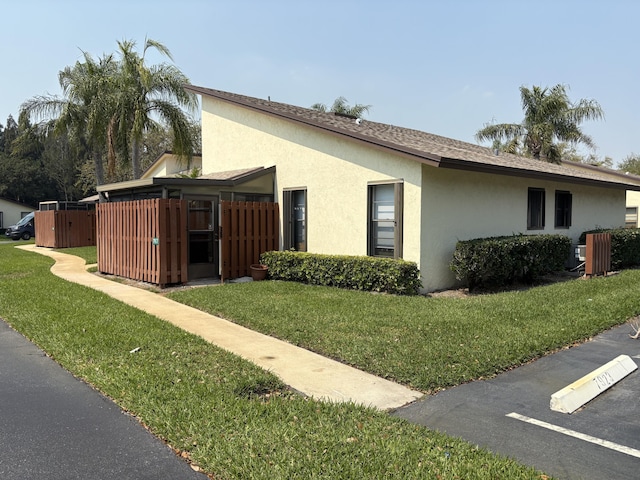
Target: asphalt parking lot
510,414
54,426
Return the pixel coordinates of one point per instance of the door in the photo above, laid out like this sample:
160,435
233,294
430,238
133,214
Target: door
203,236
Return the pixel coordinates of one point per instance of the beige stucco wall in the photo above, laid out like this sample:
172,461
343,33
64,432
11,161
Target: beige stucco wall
168,164
158,169
305,158
460,205
12,212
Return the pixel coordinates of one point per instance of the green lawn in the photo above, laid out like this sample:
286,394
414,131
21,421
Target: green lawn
89,254
427,343
230,417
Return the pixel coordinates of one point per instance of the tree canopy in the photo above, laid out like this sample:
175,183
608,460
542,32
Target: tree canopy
116,114
631,164
550,119
108,105
22,176
146,93
341,105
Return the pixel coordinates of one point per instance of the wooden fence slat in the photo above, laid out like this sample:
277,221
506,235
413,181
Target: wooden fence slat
248,230
126,240
183,239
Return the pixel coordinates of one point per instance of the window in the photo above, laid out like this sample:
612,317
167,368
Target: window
535,209
563,209
385,220
295,219
630,219
1,221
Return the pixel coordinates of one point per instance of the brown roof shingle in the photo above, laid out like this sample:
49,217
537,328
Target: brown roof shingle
424,147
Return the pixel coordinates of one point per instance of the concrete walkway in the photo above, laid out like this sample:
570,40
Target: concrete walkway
305,371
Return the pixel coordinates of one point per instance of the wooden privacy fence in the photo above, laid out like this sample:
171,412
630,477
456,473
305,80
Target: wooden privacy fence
248,229
65,228
598,254
144,240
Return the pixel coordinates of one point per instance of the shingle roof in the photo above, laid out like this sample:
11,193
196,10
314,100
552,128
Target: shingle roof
218,179
424,147
237,176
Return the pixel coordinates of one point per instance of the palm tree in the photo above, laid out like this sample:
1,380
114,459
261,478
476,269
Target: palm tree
549,117
84,111
340,105
148,92
108,105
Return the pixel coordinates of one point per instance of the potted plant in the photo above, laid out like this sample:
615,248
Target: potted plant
258,271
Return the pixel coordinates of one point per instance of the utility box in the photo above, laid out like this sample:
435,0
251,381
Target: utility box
581,253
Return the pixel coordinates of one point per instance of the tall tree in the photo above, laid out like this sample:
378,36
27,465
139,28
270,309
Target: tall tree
29,142
85,111
549,117
9,134
108,105
61,160
145,92
340,105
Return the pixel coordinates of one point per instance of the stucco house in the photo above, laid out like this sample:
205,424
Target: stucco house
352,186
11,212
356,187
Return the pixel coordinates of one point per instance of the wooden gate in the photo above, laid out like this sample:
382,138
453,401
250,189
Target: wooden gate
144,240
598,258
248,229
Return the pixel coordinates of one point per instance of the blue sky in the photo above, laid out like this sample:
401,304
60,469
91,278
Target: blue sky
445,67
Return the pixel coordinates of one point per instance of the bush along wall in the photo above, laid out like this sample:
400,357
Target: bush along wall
350,272
625,246
500,261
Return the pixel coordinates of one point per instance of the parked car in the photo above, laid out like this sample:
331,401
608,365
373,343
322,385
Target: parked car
24,229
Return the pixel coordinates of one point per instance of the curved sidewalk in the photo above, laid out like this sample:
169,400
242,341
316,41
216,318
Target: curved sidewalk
305,371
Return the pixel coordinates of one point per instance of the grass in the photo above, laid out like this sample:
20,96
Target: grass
89,254
426,343
228,416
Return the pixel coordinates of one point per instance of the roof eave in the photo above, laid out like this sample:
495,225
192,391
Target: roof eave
418,155
184,182
457,164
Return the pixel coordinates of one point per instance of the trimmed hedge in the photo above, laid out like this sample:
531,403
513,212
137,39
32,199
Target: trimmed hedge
350,272
625,246
499,261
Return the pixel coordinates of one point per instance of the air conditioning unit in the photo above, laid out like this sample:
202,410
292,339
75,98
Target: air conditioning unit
581,253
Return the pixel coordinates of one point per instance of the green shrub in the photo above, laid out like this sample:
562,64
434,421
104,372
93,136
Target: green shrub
350,272
625,246
498,261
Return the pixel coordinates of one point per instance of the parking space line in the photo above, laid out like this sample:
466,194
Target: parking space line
581,436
